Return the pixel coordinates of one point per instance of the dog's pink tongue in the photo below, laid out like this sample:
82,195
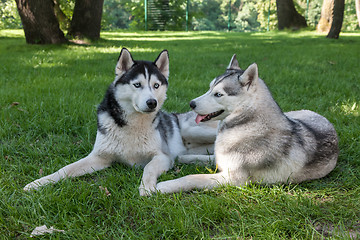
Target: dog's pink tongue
199,118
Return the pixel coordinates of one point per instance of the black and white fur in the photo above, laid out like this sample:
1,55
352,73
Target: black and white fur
133,130
256,141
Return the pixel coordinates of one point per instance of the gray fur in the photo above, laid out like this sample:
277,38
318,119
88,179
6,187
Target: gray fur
256,141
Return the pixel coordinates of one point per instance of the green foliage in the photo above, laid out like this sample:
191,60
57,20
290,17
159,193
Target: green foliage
48,99
117,14
138,16
67,8
246,19
208,15
350,22
263,14
9,17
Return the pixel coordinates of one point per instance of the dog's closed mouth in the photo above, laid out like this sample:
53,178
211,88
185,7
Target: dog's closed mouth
207,117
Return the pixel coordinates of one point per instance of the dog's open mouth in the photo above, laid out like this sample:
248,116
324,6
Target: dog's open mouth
207,117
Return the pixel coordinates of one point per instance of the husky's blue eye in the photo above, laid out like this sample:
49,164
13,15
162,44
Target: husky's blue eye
137,85
218,94
156,85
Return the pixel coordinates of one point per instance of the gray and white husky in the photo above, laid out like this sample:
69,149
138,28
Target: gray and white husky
256,141
133,130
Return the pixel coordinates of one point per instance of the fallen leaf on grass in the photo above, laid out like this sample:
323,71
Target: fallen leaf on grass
14,104
107,193
43,229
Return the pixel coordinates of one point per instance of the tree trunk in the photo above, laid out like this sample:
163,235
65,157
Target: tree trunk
287,15
326,19
39,22
357,5
338,16
86,20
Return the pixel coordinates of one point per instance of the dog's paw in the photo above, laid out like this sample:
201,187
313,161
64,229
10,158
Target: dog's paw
31,186
164,187
144,191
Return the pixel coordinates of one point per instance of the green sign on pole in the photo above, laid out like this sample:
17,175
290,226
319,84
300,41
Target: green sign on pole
307,10
268,22
229,18
145,6
187,14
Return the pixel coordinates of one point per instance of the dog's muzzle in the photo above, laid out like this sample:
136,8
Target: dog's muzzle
151,103
193,104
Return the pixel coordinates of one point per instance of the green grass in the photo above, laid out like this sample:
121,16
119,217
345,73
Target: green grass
57,89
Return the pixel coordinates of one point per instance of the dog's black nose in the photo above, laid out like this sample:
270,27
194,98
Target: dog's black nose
193,104
152,103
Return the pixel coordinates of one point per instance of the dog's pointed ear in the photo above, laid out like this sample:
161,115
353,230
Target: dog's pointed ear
125,62
234,64
162,63
250,76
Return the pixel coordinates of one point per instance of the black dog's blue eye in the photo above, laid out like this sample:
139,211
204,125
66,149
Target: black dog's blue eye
218,94
156,85
137,85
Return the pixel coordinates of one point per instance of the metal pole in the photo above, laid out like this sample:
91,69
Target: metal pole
187,14
229,18
268,23
307,10
145,3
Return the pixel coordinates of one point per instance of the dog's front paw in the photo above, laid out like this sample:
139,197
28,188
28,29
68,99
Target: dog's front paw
146,191
164,187
31,186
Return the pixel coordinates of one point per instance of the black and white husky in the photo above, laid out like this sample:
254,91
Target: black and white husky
256,141
133,130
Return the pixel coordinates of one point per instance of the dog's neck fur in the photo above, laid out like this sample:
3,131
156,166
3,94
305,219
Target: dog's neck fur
140,119
252,113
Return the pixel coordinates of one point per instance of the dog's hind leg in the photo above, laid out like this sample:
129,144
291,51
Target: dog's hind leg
198,181
158,165
86,165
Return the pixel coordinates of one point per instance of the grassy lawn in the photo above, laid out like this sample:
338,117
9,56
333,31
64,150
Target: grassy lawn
48,98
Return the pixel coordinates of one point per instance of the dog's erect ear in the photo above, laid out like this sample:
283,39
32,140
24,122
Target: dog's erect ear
124,63
234,64
162,63
249,76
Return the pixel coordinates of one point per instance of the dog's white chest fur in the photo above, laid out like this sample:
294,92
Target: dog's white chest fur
135,143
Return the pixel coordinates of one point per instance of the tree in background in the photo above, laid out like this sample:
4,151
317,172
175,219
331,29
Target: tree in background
203,14
287,15
39,22
117,14
350,21
357,6
332,14
337,16
86,20
246,19
208,15
63,12
263,14
326,16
